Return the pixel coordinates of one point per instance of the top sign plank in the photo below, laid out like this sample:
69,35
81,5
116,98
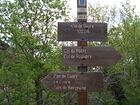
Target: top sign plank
82,31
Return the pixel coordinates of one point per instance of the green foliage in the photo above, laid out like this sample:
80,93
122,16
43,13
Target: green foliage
103,98
124,35
29,29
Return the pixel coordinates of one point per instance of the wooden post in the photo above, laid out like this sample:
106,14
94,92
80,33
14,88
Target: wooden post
82,98
82,17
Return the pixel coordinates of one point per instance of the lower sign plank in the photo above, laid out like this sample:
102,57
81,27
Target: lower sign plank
74,81
89,56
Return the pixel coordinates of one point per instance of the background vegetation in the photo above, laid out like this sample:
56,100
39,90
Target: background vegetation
29,51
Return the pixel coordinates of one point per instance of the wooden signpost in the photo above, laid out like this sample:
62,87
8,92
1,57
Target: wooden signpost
74,81
82,17
81,56
89,56
82,31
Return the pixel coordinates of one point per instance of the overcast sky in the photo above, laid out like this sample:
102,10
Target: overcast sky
117,3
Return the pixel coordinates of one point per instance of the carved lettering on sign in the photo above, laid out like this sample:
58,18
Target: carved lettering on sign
73,31
82,28
76,54
73,88
89,56
66,76
83,31
83,25
74,81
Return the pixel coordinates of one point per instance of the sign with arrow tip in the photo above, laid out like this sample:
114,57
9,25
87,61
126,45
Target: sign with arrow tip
74,81
89,56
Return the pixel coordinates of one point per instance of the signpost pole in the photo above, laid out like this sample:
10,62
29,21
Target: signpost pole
82,56
82,17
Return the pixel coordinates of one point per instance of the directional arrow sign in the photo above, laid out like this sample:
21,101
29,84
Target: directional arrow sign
78,31
89,56
74,81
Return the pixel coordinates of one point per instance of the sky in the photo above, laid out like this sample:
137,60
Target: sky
117,3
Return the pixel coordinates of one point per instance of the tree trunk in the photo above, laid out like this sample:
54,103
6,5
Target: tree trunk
38,91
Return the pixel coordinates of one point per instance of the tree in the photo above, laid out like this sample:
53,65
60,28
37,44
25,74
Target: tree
123,34
28,26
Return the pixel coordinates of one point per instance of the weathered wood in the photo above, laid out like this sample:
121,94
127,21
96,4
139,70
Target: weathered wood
89,56
82,98
82,31
74,81
82,17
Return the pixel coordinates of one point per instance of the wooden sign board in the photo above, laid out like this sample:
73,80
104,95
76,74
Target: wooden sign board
82,31
89,56
74,81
